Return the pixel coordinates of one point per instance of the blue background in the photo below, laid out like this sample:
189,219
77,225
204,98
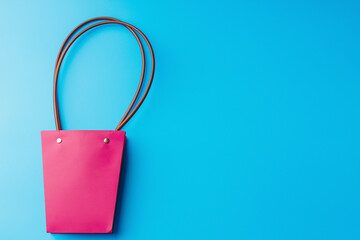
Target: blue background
250,131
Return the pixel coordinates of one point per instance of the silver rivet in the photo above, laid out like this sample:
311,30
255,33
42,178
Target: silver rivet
59,140
106,140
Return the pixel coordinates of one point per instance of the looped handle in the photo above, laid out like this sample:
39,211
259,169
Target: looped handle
67,44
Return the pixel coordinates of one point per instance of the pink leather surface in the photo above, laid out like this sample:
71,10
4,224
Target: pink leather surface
81,176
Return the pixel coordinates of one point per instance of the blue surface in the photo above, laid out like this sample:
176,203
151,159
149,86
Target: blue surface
250,131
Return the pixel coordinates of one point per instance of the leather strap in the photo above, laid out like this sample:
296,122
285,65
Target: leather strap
67,44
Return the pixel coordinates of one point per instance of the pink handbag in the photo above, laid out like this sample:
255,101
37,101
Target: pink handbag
82,167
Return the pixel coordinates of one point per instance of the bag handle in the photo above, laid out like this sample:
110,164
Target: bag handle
67,44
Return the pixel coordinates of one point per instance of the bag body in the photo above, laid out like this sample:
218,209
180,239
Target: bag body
81,176
81,168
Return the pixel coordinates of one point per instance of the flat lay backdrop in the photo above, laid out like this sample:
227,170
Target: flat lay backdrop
250,131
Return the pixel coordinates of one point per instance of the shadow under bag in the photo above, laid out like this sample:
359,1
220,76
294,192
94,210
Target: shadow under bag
82,167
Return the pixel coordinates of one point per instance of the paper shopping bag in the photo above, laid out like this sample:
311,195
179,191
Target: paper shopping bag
81,167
